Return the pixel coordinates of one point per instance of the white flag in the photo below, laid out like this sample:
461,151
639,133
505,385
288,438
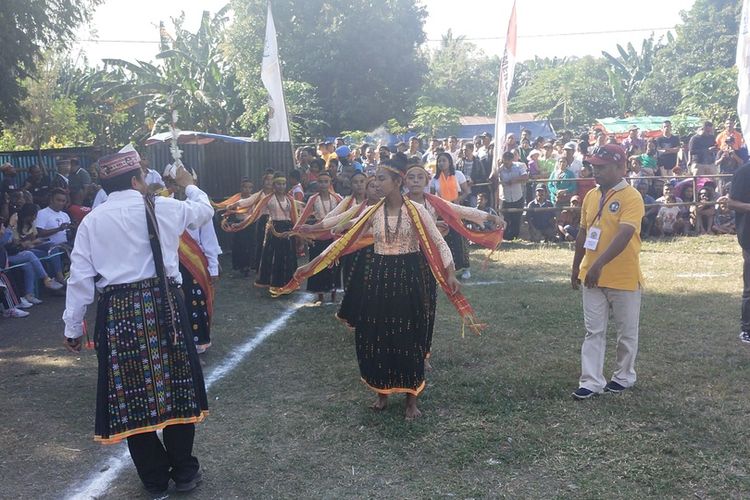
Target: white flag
743,70
270,74
507,68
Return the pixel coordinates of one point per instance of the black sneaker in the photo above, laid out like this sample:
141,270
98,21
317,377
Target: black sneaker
190,485
157,491
614,387
745,337
582,393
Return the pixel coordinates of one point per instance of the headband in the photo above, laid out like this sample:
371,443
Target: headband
394,170
279,179
418,167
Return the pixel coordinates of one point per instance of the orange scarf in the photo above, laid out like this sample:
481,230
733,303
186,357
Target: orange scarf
348,241
256,213
488,239
224,204
192,257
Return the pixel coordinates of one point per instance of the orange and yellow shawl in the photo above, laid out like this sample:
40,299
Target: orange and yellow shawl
192,257
222,205
488,239
327,234
256,213
348,242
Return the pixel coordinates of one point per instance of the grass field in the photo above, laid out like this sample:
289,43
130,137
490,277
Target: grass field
292,420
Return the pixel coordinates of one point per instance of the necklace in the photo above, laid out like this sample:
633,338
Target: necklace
390,235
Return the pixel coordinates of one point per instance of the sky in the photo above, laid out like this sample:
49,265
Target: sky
546,28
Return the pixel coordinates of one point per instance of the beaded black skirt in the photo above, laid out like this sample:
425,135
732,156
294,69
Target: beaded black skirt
459,249
146,380
260,235
244,248
355,282
278,259
392,329
328,279
197,309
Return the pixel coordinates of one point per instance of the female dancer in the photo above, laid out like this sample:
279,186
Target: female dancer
392,323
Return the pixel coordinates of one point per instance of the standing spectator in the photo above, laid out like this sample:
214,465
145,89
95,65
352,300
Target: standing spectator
607,262
38,185
633,140
61,179
667,147
414,147
475,171
483,150
727,159
512,177
511,146
547,159
729,131
453,148
431,155
9,182
542,223
560,187
369,165
702,151
79,178
523,151
586,181
574,164
384,153
739,201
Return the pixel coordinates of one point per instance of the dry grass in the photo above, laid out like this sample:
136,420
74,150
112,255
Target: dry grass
293,420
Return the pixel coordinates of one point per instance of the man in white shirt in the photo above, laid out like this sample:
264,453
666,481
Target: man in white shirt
574,164
511,176
142,329
151,178
52,222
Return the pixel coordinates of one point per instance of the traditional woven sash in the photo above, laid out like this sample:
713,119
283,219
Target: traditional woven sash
224,204
488,239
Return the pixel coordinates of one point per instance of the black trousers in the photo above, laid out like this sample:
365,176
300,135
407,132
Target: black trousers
746,291
513,219
156,463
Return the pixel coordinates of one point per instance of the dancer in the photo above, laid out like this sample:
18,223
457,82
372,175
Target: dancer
278,258
392,321
318,206
149,374
243,242
199,252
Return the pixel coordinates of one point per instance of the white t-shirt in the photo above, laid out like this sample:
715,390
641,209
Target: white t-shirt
435,183
668,216
49,219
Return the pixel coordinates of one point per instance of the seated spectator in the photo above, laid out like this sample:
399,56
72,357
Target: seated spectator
569,220
77,209
30,266
483,204
560,187
703,213
9,301
668,221
61,179
724,220
542,223
9,182
52,222
25,237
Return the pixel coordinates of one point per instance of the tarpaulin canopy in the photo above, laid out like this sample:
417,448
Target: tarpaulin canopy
645,124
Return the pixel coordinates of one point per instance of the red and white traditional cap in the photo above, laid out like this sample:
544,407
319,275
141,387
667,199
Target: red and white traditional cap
118,163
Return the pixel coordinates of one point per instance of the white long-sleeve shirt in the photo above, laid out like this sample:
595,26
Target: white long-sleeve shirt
113,241
205,236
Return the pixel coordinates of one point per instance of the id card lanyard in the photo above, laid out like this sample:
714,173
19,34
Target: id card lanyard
594,232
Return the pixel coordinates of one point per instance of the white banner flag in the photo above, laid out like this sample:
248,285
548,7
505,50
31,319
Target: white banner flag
507,68
743,70
270,74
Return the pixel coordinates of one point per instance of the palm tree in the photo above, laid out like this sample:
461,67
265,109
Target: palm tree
628,71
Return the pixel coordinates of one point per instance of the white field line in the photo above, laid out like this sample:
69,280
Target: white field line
98,483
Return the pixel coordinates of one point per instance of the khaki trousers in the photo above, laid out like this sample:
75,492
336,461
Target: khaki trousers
626,308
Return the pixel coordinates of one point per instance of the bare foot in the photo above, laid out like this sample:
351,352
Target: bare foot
427,365
381,403
412,412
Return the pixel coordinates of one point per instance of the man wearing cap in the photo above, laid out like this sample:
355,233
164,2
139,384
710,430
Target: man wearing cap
607,262
574,164
149,374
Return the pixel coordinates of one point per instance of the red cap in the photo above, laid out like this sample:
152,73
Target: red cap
118,163
606,155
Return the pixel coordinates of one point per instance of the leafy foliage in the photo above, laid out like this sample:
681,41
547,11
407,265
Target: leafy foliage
628,71
27,28
711,95
437,121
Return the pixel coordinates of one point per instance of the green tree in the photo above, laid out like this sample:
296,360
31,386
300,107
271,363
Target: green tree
436,121
710,95
361,59
27,28
628,71
571,95
706,40
462,77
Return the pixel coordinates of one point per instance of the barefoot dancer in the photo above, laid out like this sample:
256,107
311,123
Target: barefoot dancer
392,324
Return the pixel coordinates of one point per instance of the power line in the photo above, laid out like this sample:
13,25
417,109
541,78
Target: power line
545,35
468,39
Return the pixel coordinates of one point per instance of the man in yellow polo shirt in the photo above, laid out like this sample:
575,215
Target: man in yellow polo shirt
607,262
